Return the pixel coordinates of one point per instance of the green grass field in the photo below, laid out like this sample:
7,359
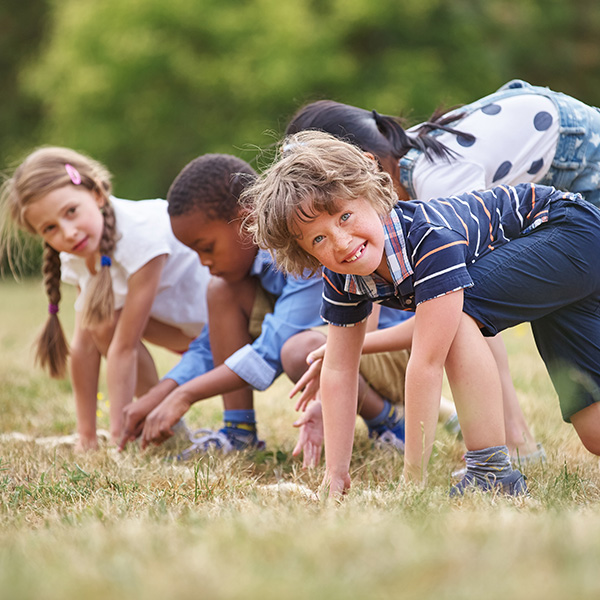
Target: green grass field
135,525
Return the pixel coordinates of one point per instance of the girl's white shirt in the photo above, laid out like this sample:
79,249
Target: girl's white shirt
143,233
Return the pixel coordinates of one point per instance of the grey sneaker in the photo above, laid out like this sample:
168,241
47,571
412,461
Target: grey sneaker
512,485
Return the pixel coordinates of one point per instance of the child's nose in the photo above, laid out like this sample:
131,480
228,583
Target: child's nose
69,231
205,260
342,240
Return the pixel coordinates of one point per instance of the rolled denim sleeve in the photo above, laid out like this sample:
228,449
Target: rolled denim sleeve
296,310
195,361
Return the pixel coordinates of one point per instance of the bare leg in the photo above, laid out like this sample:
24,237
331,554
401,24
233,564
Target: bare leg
147,375
478,398
229,309
519,439
587,426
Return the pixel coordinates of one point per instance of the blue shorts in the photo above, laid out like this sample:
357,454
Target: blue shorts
551,278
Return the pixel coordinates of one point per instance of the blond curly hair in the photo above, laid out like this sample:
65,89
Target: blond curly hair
314,172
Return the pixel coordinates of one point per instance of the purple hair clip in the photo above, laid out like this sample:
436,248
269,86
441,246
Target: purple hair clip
73,174
52,308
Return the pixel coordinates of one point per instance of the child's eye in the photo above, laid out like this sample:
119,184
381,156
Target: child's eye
47,229
318,239
345,217
71,210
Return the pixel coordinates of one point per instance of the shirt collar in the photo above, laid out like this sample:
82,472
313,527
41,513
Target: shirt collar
397,260
261,260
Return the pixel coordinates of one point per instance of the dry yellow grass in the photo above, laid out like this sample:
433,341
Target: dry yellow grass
135,525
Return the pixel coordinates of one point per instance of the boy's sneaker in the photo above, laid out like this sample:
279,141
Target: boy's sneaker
536,457
390,435
225,440
388,439
452,426
512,485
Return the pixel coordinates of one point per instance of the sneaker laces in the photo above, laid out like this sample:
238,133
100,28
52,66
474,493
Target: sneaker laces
205,440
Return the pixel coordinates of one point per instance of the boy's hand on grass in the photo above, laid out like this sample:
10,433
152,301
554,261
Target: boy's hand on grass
310,439
160,422
309,384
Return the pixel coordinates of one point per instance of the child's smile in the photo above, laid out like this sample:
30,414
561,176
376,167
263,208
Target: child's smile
350,241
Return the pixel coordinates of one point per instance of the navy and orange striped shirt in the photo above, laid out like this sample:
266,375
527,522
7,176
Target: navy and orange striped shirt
430,245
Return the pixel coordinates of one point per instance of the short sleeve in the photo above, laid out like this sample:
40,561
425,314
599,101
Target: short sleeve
339,307
440,264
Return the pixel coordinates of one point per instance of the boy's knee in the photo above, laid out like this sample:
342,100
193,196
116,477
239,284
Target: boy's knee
587,426
295,350
222,294
591,443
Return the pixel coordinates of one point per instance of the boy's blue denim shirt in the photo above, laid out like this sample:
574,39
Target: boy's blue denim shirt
296,309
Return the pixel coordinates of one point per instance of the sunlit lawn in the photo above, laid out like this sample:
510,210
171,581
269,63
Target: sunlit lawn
136,525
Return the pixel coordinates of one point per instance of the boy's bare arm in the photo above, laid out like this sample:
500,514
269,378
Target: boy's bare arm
339,389
160,421
436,324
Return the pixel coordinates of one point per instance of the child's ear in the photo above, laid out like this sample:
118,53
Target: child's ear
372,157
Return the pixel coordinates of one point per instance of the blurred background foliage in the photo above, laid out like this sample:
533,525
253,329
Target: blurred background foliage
147,85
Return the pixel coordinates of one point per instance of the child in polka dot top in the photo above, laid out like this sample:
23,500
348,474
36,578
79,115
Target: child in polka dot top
519,134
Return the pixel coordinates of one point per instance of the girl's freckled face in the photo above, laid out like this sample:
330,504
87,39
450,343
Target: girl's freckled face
68,219
350,241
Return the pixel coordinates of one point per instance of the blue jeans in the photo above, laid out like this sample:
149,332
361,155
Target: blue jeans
551,278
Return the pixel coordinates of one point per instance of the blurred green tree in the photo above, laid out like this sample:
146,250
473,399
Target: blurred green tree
146,85
21,33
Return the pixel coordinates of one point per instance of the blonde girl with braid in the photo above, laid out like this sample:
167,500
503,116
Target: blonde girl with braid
135,280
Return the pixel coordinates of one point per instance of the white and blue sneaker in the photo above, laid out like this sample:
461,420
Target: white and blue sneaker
225,440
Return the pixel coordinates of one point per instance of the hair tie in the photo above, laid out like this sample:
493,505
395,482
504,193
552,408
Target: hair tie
73,174
105,261
52,309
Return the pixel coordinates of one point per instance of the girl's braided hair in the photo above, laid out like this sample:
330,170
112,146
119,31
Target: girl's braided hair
42,172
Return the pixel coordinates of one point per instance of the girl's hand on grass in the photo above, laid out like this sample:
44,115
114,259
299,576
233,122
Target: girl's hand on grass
134,416
86,444
309,384
310,439
335,486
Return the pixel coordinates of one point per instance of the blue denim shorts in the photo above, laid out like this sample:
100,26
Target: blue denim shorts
551,278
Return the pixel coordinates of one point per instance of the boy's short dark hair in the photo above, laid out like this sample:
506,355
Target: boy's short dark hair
212,183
